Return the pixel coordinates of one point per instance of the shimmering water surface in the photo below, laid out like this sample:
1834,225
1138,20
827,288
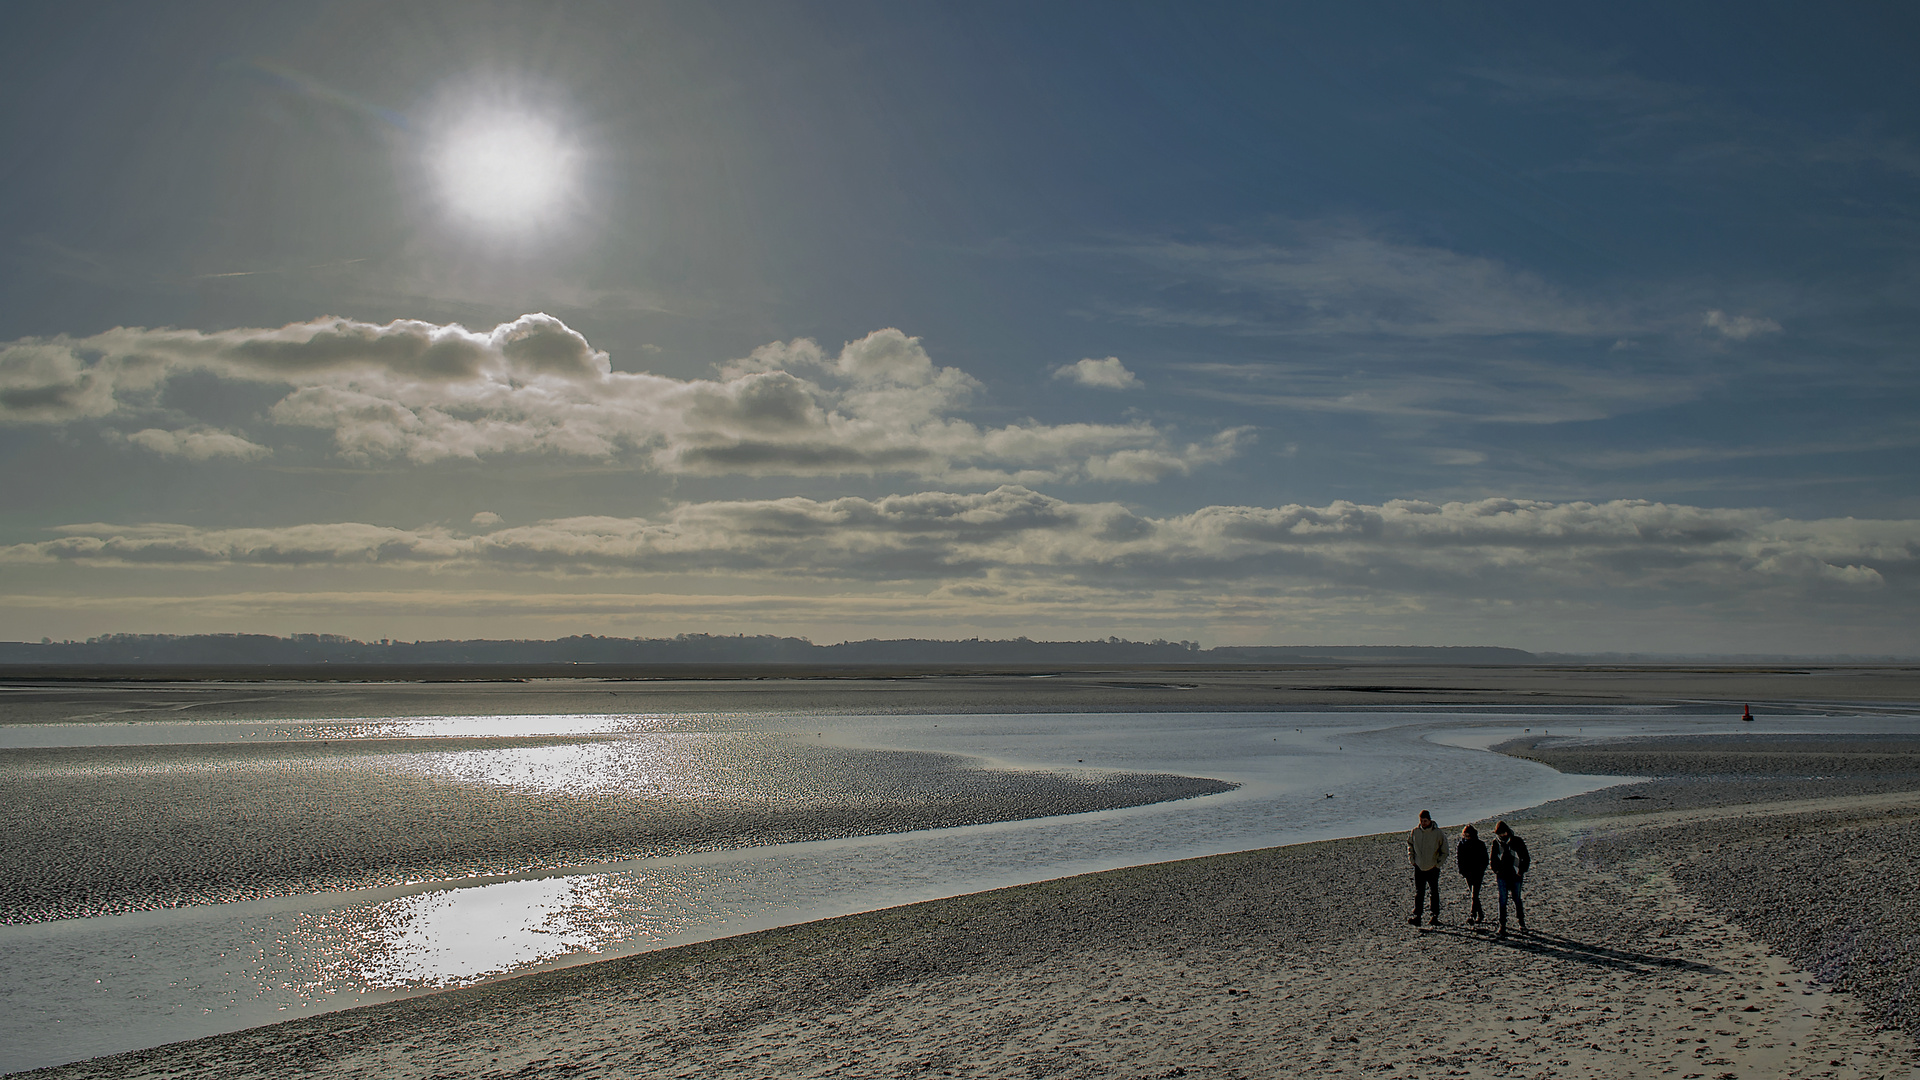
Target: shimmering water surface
77,988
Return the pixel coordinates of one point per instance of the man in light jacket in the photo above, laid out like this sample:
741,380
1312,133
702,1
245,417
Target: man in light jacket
1426,850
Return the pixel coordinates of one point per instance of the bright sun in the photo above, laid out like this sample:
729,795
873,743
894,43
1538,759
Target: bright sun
506,169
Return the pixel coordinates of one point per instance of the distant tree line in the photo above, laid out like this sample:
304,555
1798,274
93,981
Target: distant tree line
266,649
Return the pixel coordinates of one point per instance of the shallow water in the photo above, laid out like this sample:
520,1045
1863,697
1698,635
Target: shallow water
81,987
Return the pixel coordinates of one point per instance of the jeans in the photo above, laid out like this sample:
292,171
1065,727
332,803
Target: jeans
1425,881
1519,909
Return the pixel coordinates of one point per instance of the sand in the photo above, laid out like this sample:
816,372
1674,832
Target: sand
105,830
1661,946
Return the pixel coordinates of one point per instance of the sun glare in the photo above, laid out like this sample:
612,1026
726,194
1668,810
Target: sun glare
506,170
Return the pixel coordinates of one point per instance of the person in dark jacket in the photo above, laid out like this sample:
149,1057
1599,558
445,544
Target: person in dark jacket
1510,862
1470,855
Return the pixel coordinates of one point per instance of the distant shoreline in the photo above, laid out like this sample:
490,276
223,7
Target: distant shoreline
741,651
38,693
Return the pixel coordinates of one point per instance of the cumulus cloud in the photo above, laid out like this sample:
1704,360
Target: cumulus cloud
1740,327
1107,374
197,444
424,392
1013,534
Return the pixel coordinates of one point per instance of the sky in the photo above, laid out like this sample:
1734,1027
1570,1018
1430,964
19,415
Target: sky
1579,329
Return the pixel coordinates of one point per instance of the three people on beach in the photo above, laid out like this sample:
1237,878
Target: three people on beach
1426,850
1507,857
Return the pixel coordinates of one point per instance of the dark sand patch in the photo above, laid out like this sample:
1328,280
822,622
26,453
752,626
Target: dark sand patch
1730,756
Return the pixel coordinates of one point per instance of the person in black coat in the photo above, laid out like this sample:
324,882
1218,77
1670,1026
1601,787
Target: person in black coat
1510,862
1471,857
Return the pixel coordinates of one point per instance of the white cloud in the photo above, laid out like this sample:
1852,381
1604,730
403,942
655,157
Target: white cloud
197,444
1107,374
1016,537
424,392
486,519
1740,327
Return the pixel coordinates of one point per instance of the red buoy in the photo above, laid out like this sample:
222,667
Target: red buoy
1748,715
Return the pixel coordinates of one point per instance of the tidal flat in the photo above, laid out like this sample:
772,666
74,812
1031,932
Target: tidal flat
1292,959
1653,901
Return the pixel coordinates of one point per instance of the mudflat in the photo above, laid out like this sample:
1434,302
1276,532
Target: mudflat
111,829
1693,926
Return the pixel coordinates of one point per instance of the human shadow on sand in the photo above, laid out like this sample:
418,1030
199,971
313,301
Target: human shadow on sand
1566,948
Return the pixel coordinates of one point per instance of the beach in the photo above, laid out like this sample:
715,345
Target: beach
1736,917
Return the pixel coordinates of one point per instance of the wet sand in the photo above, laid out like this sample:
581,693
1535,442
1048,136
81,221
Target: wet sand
1689,932
105,830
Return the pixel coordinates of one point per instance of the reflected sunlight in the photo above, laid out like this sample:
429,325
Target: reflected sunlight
460,935
652,767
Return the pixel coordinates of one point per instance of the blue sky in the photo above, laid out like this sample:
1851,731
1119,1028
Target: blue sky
1364,323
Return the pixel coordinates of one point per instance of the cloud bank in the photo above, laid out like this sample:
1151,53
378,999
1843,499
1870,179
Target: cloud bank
1489,547
423,392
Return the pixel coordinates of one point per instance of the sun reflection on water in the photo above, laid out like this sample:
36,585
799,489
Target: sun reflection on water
633,766
455,937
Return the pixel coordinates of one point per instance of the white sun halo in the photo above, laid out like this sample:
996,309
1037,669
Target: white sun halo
506,169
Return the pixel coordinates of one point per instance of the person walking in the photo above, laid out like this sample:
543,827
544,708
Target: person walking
1426,850
1470,856
1510,862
